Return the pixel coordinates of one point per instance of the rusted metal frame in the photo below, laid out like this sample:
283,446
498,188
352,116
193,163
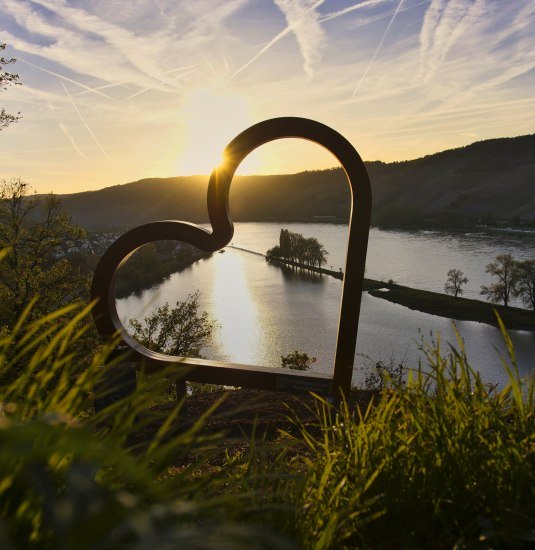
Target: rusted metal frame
103,289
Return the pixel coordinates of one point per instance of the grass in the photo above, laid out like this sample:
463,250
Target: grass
73,478
442,461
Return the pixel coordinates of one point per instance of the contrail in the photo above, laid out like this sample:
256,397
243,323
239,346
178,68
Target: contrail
65,130
350,9
273,41
88,88
376,51
84,122
187,68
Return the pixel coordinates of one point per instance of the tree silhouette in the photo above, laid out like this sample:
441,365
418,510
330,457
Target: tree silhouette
504,269
454,282
180,330
525,282
296,248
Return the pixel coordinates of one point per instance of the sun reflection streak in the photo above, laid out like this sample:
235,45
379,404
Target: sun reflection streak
235,310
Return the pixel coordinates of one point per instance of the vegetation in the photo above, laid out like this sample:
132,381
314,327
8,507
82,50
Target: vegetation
181,330
297,360
515,278
462,309
456,279
443,462
503,268
152,263
384,374
525,282
448,189
298,249
40,240
7,79
126,477
443,457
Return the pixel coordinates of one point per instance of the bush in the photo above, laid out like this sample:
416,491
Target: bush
297,361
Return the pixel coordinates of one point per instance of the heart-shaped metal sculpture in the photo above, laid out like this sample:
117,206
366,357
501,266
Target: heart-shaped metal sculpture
203,370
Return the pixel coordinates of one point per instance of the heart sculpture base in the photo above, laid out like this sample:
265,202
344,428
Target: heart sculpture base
230,374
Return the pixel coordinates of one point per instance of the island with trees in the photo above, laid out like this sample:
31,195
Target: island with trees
513,279
300,252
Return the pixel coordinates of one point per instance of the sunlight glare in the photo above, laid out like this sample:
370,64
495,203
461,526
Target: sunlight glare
212,119
235,310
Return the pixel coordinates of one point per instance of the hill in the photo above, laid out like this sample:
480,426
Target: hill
485,181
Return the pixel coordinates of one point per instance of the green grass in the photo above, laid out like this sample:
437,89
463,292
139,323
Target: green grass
128,476
443,461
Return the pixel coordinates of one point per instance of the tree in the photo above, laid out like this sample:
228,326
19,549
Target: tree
456,279
504,269
181,330
525,282
297,361
6,80
41,244
274,252
296,248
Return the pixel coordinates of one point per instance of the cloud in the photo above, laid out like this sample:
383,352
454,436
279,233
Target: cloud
297,16
444,23
87,41
378,49
303,19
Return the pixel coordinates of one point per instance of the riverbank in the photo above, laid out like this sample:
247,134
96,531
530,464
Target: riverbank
443,305
435,303
149,268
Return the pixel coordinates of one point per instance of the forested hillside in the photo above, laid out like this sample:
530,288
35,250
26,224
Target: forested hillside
482,182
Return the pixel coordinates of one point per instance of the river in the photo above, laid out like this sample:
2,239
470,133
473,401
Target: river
264,311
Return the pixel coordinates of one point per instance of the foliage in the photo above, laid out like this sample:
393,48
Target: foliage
181,330
454,282
442,462
504,269
385,374
525,282
40,240
70,478
297,361
152,263
296,248
7,79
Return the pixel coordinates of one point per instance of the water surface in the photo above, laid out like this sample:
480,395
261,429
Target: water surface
264,311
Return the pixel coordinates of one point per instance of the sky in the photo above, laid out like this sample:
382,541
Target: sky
116,91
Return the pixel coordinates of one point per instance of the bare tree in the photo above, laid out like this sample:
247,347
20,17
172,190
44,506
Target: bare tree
504,269
525,282
456,279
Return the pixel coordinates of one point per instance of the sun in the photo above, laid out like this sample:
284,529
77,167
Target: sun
212,118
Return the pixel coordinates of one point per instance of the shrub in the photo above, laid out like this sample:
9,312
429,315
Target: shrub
297,361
